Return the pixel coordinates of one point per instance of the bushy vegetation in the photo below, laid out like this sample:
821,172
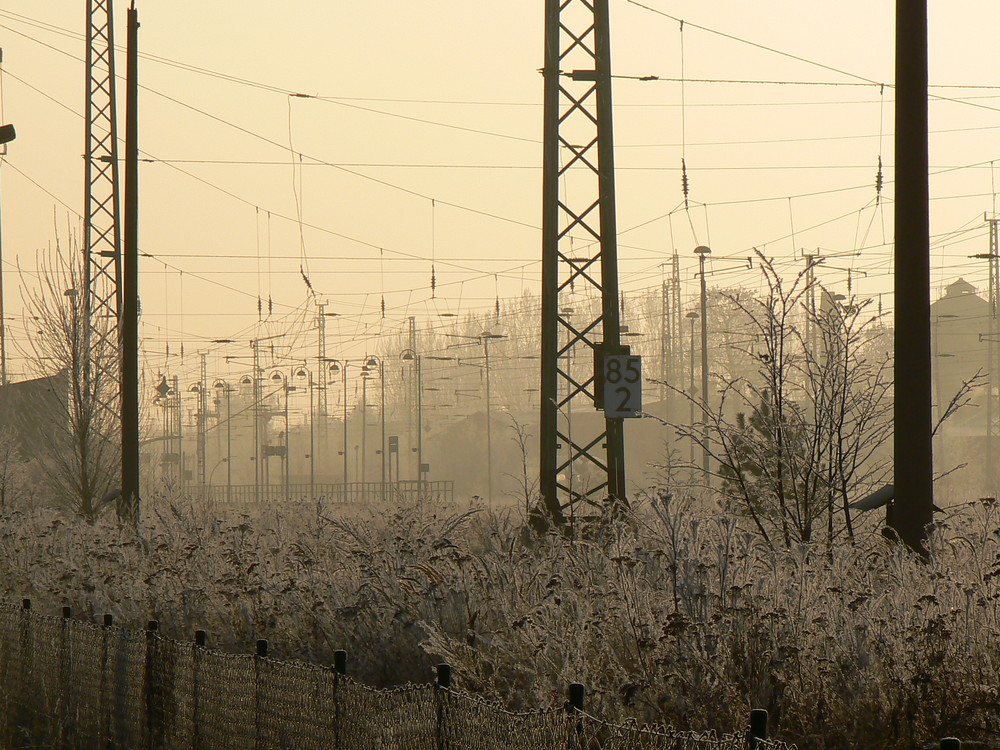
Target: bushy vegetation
679,614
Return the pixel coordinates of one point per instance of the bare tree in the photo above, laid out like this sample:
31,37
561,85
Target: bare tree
795,441
527,481
79,454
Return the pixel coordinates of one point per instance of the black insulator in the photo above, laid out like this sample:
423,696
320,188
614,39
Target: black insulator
878,180
685,185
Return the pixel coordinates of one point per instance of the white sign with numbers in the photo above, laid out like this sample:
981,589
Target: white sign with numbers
622,386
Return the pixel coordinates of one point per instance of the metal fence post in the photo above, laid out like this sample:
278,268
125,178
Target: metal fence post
257,659
951,743
104,709
200,644
23,723
574,705
67,710
443,682
758,728
339,670
153,724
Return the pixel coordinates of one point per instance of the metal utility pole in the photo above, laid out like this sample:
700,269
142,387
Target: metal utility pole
345,426
228,390
692,316
321,400
410,355
486,337
179,419
202,423
993,256
365,374
578,201
7,134
991,368
129,322
257,469
911,512
702,251
288,454
671,331
101,225
371,363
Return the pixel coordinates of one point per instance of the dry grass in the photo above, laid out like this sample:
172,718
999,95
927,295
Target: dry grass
680,616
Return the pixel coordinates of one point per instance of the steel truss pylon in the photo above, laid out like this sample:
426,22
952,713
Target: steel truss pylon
579,254
102,228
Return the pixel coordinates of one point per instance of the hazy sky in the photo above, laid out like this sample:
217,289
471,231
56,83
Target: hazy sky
420,142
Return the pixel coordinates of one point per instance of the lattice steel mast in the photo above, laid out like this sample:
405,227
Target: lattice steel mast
578,202
102,225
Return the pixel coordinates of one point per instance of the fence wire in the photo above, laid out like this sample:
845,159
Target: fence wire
70,684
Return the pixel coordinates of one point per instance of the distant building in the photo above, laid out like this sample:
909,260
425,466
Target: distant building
29,408
960,332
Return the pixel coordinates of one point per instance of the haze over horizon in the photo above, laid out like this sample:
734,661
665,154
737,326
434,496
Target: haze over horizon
360,146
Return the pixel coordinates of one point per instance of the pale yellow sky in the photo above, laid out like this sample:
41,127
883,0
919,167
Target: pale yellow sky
404,86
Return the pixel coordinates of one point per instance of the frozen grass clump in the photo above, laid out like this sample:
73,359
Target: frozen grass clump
677,615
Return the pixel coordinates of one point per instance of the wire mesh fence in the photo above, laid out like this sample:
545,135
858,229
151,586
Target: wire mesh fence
71,684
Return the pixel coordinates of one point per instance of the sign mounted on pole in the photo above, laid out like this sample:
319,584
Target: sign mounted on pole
622,386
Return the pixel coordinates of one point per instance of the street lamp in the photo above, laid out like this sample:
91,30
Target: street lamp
279,379
371,364
304,374
7,134
692,316
224,387
702,251
409,355
199,435
486,337
334,368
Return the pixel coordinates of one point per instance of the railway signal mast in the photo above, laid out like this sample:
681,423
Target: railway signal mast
579,254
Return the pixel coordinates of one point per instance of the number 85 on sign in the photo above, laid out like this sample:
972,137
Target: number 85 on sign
622,386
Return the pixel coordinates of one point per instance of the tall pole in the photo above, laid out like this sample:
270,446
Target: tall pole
288,454
692,316
179,417
3,327
381,408
8,135
911,512
257,468
664,374
229,444
489,426
702,252
312,442
345,427
202,433
615,428
364,425
420,428
578,200
129,322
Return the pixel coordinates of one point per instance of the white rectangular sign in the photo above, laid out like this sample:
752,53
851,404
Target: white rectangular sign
622,386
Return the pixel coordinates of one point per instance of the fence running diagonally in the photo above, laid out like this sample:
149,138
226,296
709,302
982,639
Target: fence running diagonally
71,684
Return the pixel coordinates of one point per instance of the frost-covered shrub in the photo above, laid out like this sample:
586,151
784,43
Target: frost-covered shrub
679,615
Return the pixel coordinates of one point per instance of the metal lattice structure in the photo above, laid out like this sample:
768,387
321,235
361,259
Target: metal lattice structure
671,333
579,253
991,348
102,226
